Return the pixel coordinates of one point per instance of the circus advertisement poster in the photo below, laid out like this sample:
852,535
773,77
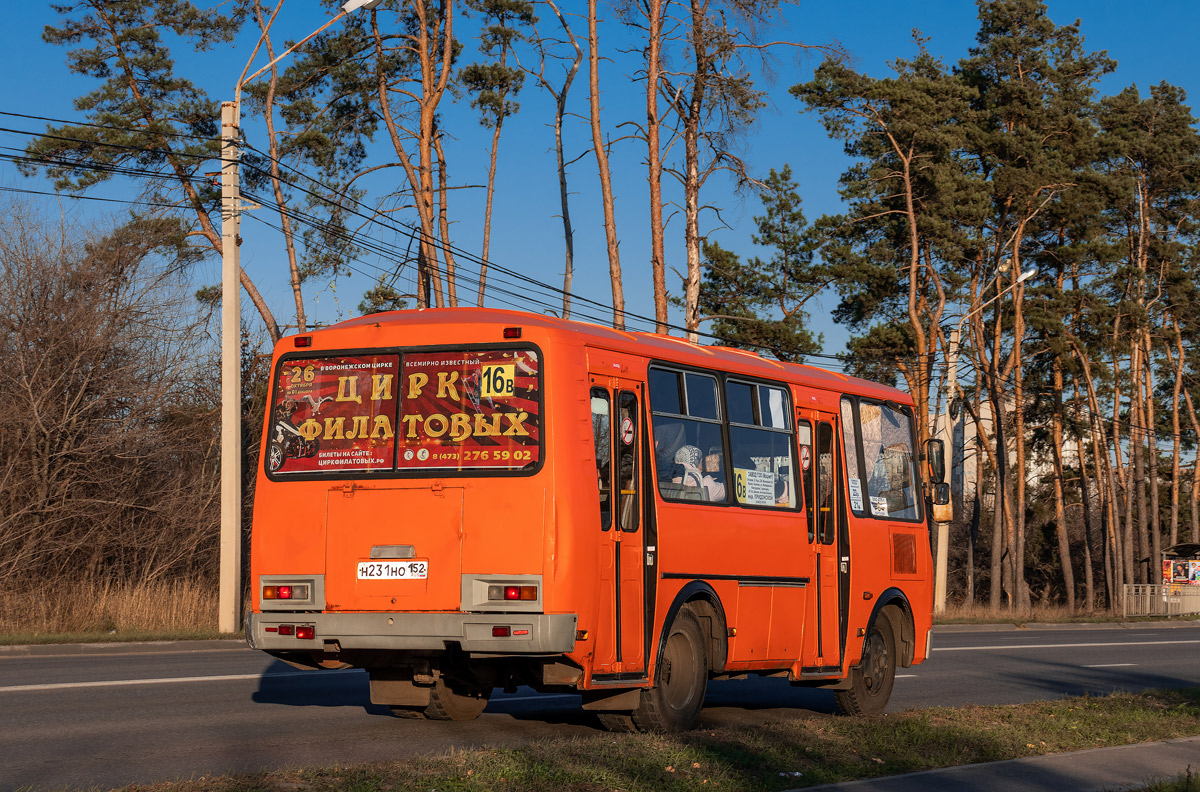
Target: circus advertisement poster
333,414
470,410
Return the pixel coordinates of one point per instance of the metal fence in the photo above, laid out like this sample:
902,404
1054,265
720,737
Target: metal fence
1146,600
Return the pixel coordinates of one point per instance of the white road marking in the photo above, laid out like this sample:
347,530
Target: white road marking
1110,665
905,676
1058,646
159,681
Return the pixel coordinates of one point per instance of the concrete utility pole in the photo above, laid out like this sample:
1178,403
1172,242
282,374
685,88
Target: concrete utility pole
231,375
230,598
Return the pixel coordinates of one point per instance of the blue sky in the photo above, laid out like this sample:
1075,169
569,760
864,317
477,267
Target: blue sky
1151,42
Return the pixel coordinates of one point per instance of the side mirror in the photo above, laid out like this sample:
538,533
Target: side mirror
935,456
943,511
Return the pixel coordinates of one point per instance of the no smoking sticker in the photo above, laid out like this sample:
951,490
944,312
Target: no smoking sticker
805,457
626,431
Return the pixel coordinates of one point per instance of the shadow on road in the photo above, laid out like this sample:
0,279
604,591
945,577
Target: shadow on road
282,684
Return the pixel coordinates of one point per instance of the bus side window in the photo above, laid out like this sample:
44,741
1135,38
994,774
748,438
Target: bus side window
808,472
602,436
627,472
825,497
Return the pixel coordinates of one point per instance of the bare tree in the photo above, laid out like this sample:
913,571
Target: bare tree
107,465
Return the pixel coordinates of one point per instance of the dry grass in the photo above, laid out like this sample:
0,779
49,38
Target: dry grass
100,607
981,614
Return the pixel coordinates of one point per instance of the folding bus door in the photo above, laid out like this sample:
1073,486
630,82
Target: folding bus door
617,429
822,488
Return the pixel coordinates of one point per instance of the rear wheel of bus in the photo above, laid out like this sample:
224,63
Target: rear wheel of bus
456,701
872,680
680,679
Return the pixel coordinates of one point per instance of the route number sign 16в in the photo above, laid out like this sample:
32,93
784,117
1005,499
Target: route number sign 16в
499,381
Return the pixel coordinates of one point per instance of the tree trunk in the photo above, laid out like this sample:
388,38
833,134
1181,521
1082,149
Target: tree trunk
1060,511
606,195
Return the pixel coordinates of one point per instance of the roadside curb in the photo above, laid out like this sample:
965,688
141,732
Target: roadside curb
130,647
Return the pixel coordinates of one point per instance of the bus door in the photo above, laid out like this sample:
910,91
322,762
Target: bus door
822,494
619,636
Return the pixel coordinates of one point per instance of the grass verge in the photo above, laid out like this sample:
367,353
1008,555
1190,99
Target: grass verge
779,754
1049,614
101,610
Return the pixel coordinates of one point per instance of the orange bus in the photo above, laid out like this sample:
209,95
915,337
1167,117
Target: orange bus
458,500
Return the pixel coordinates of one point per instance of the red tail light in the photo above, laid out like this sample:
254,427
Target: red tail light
500,632
306,632
303,341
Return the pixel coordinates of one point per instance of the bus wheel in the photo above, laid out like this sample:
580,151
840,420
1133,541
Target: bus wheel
674,703
871,683
455,701
617,721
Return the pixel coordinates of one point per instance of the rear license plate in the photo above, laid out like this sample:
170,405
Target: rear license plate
412,569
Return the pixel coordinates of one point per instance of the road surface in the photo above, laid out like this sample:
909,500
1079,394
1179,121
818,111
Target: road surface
109,716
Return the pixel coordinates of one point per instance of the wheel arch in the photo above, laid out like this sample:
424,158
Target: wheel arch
902,625
711,615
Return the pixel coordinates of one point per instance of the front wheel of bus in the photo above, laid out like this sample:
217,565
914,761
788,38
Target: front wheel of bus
456,701
680,679
871,682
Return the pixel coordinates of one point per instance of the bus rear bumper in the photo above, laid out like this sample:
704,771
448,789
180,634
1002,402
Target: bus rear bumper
493,633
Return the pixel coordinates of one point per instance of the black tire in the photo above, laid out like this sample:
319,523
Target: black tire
275,457
621,722
680,679
871,682
455,701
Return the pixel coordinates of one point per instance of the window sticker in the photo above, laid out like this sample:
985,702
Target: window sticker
879,506
469,410
754,487
856,499
333,414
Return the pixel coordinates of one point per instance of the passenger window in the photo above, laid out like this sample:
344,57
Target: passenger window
602,438
760,444
702,397
808,471
664,392
689,453
627,473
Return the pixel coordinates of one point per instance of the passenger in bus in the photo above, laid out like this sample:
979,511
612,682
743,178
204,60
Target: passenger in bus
783,487
714,476
687,467
668,437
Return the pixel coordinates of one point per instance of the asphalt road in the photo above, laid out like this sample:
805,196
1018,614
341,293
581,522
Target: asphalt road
108,716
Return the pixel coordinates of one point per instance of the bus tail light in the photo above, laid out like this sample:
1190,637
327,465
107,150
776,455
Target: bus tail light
303,341
306,632
513,593
512,332
287,629
501,632
285,592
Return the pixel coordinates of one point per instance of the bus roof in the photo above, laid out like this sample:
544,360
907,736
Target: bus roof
650,345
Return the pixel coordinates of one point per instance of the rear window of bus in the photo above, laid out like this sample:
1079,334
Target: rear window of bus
440,411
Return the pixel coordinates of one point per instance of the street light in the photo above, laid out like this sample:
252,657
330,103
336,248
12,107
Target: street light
943,528
230,597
